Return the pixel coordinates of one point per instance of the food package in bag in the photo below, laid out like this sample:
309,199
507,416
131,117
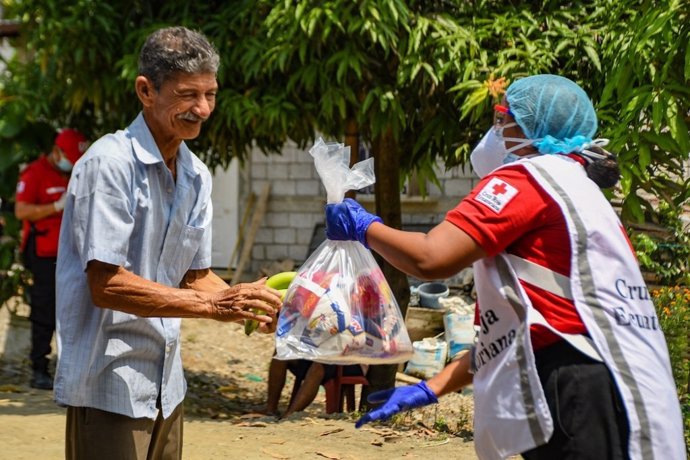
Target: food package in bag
339,308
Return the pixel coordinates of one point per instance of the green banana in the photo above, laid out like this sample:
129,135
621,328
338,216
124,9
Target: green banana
250,325
279,281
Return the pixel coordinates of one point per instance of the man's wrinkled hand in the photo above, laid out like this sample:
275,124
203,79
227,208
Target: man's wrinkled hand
246,301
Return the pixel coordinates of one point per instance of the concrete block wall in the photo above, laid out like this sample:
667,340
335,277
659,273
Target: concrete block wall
297,199
295,205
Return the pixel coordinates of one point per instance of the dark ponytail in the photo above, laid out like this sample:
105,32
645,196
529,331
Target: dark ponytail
602,167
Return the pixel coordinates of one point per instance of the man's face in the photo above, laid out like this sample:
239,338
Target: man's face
181,104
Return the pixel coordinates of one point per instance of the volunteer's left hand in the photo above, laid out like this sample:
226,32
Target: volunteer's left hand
59,205
397,400
349,221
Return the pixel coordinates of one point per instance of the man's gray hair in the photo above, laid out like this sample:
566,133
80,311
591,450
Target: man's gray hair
172,50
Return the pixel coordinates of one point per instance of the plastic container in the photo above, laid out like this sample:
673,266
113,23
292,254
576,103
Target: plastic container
429,293
460,332
428,358
458,321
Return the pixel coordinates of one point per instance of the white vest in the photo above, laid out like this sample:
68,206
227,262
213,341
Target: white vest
511,413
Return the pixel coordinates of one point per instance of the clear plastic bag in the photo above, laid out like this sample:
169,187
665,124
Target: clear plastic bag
339,309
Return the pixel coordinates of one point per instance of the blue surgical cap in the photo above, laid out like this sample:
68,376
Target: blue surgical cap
554,110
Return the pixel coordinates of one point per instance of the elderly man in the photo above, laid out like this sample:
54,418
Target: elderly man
134,258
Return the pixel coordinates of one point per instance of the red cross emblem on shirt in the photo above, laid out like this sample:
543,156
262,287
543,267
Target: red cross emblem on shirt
499,189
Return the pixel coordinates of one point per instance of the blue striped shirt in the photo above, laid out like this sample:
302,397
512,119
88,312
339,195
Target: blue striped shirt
125,209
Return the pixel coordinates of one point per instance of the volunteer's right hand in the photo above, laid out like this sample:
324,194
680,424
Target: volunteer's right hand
348,221
397,400
246,301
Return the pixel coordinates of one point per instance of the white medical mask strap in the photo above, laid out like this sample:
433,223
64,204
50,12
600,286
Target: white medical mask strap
521,143
499,131
591,156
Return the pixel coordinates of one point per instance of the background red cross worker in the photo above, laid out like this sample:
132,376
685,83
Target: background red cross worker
40,198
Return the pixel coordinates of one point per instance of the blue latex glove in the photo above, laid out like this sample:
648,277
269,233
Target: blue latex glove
397,400
349,221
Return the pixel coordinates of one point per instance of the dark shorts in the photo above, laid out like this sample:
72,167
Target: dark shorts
589,418
299,368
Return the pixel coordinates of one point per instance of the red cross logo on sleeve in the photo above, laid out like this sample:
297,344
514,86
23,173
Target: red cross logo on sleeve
496,194
500,189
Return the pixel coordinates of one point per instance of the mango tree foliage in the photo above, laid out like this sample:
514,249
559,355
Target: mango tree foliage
428,71
645,103
413,80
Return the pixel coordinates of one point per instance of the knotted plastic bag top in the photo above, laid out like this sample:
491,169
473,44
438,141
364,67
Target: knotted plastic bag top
332,162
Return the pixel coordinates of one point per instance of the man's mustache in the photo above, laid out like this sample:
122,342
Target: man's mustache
189,116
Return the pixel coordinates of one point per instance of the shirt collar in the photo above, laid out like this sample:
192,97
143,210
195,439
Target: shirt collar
147,151
144,145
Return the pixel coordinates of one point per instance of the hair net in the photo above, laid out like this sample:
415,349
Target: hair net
554,111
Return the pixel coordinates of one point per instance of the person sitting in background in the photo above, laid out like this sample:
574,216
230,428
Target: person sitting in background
40,198
309,375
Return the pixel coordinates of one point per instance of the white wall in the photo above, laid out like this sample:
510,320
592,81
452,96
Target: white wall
225,196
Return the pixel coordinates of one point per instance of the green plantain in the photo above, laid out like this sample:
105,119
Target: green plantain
279,281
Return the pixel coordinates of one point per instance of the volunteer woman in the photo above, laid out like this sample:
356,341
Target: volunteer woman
570,361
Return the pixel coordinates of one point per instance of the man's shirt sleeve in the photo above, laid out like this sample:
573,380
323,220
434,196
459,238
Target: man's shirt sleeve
103,221
28,187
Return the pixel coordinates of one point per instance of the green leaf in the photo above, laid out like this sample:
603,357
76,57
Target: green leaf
687,62
473,100
9,128
644,156
679,131
593,56
658,109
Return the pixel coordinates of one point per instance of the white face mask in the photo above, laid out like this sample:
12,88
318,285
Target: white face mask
488,154
491,151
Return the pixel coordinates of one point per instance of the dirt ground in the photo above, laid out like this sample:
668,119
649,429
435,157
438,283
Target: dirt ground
226,372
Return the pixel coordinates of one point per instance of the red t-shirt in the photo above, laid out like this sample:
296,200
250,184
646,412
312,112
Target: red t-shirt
41,183
528,223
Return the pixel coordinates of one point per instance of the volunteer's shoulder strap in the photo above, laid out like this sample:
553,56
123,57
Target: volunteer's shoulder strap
541,277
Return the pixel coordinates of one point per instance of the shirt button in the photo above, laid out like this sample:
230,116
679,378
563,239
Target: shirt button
169,190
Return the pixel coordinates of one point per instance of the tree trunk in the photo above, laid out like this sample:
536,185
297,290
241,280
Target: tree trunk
387,169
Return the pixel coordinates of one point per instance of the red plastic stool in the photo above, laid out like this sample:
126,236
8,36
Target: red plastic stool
342,387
